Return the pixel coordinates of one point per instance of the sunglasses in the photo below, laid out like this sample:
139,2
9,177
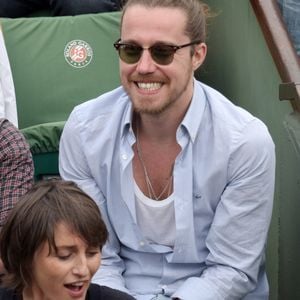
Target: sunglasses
162,54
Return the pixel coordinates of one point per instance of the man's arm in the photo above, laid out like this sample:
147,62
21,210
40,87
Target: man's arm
237,237
73,166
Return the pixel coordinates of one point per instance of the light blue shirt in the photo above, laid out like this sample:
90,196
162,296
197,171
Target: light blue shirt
223,195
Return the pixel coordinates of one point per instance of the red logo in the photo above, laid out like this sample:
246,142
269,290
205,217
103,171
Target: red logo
78,53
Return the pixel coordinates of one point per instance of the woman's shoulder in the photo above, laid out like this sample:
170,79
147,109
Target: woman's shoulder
103,292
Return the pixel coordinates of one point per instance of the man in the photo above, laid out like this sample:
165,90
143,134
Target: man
183,177
16,167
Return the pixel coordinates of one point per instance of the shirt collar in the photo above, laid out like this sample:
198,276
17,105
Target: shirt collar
191,121
127,116
194,114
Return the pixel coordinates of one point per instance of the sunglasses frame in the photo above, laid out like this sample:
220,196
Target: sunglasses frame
118,45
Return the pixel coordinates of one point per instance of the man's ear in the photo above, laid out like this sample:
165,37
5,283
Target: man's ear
199,55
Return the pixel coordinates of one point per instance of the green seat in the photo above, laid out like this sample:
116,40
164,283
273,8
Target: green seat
43,140
57,63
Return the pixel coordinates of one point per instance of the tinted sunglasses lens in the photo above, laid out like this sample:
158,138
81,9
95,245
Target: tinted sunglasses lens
130,53
162,54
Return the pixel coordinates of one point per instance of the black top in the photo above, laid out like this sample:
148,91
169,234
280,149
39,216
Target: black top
95,292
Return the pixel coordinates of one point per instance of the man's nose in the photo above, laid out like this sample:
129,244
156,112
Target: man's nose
146,63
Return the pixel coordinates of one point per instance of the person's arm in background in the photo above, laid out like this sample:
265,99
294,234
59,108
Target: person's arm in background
73,166
16,169
290,12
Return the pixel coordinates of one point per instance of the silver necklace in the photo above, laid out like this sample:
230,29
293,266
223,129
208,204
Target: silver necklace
150,189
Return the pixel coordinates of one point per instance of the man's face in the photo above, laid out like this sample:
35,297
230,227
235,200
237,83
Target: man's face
154,88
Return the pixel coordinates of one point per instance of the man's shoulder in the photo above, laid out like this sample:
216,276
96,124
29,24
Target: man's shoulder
103,104
102,292
100,115
225,111
231,122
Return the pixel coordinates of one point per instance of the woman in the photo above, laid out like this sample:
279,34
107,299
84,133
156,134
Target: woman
51,246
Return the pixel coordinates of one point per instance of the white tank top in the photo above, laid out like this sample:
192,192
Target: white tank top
156,219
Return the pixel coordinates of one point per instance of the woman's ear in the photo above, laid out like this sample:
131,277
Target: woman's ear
200,51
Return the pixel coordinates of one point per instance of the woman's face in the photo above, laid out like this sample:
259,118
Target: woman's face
65,274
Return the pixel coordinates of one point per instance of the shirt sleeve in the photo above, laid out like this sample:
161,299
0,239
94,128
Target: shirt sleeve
16,167
73,166
238,234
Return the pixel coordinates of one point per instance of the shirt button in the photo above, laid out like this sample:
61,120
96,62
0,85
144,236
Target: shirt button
124,156
142,243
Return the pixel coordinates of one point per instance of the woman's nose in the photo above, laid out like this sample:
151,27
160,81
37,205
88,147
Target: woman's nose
80,267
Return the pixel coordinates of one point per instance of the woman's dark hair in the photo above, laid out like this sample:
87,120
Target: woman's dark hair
33,220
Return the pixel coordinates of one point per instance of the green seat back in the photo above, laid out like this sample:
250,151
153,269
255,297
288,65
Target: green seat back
48,82
57,63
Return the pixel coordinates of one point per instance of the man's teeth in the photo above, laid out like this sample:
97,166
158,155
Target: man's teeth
151,86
